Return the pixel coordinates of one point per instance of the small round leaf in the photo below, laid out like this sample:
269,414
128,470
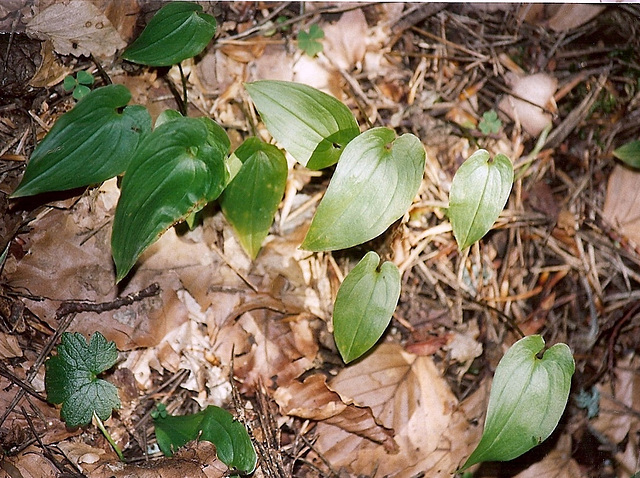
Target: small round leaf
364,305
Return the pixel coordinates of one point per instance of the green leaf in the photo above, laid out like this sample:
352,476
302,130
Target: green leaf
373,185
69,83
251,199
629,153
364,305
178,31
527,399
479,191
89,144
176,170
80,92
85,78
71,378
308,42
312,126
213,424
490,123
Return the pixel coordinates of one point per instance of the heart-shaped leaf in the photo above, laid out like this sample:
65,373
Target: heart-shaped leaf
251,199
364,305
178,31
312,126
479,191
373,185
527,399
629,153
89,144
176,170
213,424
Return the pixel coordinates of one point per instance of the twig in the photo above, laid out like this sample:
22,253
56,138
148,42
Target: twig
185,104
73,307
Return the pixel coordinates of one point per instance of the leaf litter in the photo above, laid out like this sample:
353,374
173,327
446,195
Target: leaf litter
563,262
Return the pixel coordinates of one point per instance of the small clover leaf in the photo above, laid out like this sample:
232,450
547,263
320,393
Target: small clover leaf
490,123
80,84
308,41
71,378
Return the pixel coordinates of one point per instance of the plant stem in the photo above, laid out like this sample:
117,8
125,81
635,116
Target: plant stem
184,105
106,434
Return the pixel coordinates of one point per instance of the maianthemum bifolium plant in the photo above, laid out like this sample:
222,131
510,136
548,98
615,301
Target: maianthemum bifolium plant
172,169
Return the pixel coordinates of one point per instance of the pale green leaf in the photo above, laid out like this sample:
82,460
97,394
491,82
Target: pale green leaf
178,31
528,396
479,192
251,199
373,185
364,305
91,143
312,126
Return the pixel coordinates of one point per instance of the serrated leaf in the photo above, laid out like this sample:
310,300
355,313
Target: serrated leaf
479,192
527,399
629,154
178,31
308,41
71,378
176,170
364,305
213,424
373,185
312,126
89,144
251,199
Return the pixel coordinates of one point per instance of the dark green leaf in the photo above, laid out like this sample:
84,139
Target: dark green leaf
176,170
89,144
71,378
251,199
373,185
629,153
69,83
178,31
364,305
479,191
85,78
308,42
312,126
527,399
213,424
80,92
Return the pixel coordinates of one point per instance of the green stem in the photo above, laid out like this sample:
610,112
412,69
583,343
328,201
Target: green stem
106,434
184,105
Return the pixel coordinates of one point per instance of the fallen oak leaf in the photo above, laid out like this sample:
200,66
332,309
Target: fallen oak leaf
314,400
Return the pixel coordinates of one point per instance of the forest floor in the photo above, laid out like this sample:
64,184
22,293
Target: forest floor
562,260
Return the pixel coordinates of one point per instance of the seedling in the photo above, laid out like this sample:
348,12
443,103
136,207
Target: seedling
490,123
71,379
629,154
308,41
79,85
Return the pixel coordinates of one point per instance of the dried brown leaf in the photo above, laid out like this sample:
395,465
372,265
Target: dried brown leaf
407,394
557,464
313,400
622,203
77,28
345,42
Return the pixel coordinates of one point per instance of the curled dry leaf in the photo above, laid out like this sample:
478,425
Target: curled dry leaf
345,42
407,394
537,89
622,203
557,464
313,400
77,28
